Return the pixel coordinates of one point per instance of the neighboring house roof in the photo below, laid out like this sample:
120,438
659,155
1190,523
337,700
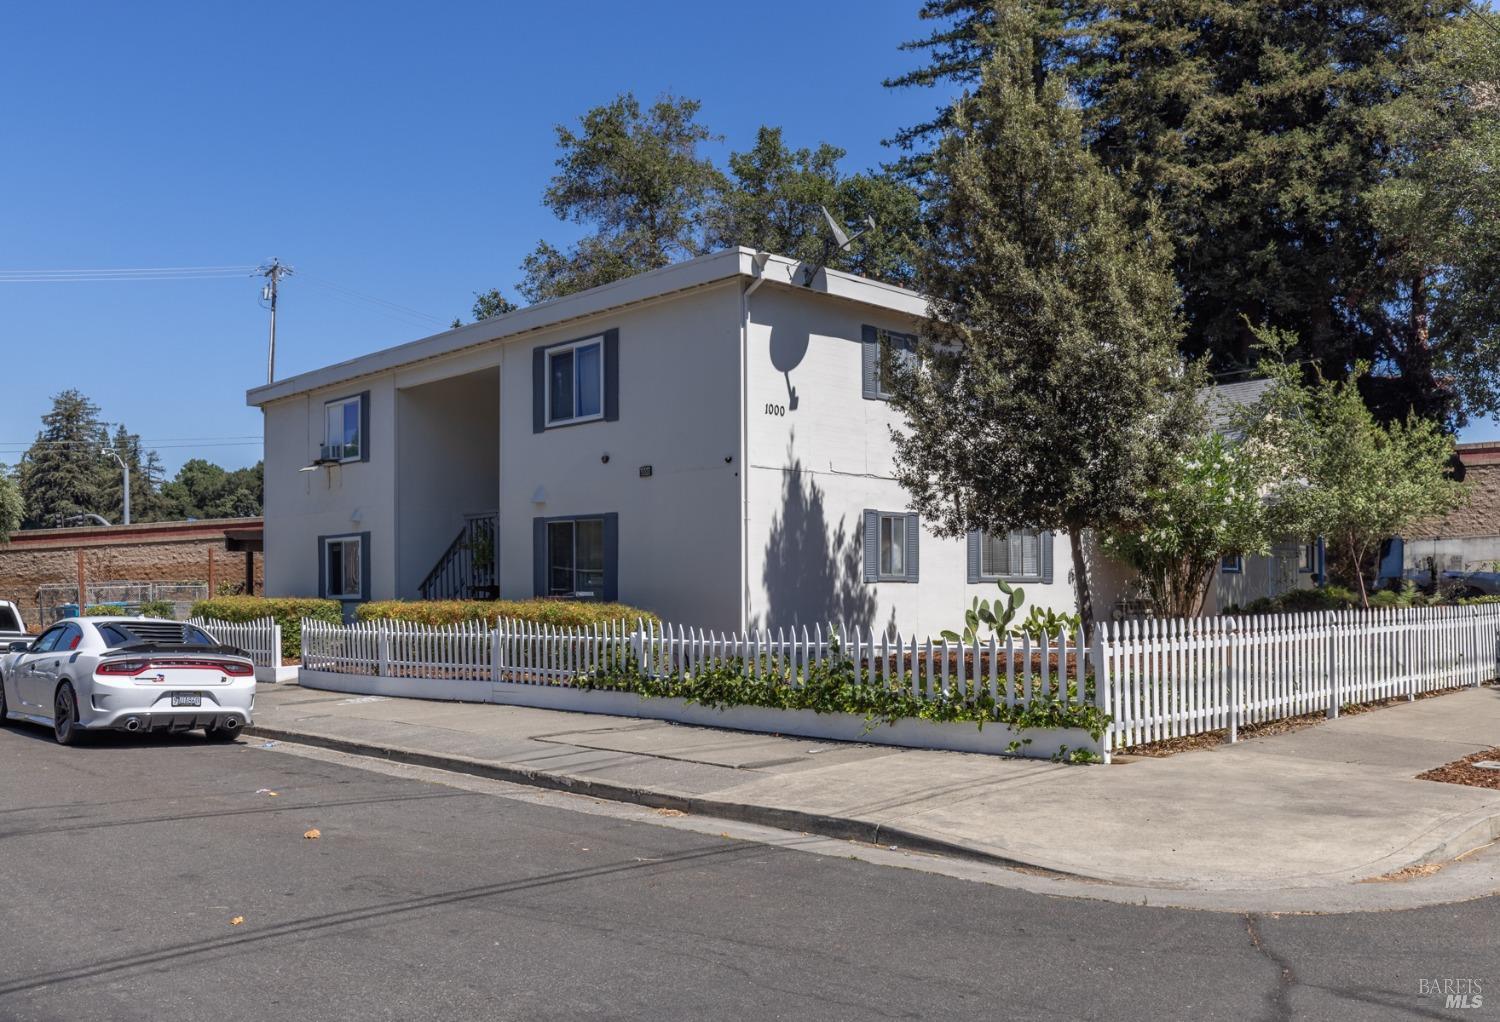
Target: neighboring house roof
679,277
1223,399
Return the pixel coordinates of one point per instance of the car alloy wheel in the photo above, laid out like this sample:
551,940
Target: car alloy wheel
65,715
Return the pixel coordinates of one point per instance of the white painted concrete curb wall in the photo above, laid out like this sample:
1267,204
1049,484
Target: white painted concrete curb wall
993,739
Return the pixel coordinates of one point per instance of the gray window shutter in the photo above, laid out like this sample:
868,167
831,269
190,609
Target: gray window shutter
976,543
611,558
538,391
870,362
1046,542
539,556
913,544
611,377
364,565
322,567
872,545
364,426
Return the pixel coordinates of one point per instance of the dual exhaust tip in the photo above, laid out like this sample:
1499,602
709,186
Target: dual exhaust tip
134,724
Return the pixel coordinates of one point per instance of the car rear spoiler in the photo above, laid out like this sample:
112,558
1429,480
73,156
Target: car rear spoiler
137,648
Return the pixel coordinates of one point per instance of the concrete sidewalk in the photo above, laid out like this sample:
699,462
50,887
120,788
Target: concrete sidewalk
1326,805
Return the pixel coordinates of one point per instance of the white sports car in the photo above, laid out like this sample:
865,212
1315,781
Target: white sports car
127,674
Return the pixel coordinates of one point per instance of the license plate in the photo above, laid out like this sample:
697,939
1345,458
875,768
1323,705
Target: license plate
186,699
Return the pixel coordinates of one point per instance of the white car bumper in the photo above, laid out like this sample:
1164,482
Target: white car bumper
126,706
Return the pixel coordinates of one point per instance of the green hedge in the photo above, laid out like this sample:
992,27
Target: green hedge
287,610
563,613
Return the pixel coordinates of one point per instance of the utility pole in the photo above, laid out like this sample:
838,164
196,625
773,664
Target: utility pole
273,272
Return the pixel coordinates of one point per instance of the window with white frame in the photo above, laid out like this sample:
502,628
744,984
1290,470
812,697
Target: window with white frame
896,352
343,434
1016,554
575,558
1232,564
1309,564
343,567
893,546
575,382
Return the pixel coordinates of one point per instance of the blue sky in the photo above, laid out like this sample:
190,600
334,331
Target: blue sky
397,151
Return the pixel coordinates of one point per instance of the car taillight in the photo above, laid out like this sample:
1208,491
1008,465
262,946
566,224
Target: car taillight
123,667
236,670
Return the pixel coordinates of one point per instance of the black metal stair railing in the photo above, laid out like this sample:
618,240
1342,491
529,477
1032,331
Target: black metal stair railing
468,568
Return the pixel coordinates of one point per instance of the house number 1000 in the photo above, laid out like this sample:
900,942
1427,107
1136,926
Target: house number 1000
775,409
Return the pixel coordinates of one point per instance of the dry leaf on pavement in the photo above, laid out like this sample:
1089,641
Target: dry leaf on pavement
313,835
237,920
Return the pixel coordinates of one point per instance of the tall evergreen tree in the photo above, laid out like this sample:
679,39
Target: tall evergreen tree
1262,131
1049,392
61,474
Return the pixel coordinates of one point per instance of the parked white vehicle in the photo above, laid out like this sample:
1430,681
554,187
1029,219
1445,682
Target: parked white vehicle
127,674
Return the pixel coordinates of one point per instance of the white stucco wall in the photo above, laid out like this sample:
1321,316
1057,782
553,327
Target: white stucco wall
818,457
357,497
679,414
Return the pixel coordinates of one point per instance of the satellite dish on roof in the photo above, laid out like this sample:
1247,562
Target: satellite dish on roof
839,240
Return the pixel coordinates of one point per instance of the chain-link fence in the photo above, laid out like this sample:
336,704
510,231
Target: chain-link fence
54,599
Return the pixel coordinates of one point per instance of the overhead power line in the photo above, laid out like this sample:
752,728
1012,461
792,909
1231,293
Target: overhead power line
134,273
404,310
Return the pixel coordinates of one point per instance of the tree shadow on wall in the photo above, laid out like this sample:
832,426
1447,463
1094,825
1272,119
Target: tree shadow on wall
814,574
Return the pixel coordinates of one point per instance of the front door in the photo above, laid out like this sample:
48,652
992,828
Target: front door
32,689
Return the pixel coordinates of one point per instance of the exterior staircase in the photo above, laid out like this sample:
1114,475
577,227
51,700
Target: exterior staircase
468,569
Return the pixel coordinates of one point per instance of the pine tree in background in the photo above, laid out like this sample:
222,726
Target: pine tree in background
637,177
12,507
1049,392
202,489
1265,132
60,476
772,198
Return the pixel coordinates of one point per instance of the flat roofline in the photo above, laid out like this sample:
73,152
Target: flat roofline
677,278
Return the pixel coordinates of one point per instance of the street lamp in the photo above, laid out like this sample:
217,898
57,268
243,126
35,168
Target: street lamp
125,468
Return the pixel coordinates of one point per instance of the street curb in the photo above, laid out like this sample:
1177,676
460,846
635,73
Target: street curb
837,827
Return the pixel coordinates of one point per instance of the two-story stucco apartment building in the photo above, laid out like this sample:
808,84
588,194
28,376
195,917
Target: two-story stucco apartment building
709,441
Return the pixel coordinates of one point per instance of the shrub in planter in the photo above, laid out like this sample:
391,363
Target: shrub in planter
159,608
287,610
561,613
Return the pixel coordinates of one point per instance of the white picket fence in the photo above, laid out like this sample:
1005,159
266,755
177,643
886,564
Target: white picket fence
1169,678
260,638
1157,678
1014,671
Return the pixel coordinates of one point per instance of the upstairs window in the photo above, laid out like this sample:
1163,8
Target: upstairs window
885,352
1233,564
1020,555
344,428
576,381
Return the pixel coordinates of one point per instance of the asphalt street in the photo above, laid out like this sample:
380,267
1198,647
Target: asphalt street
151,878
